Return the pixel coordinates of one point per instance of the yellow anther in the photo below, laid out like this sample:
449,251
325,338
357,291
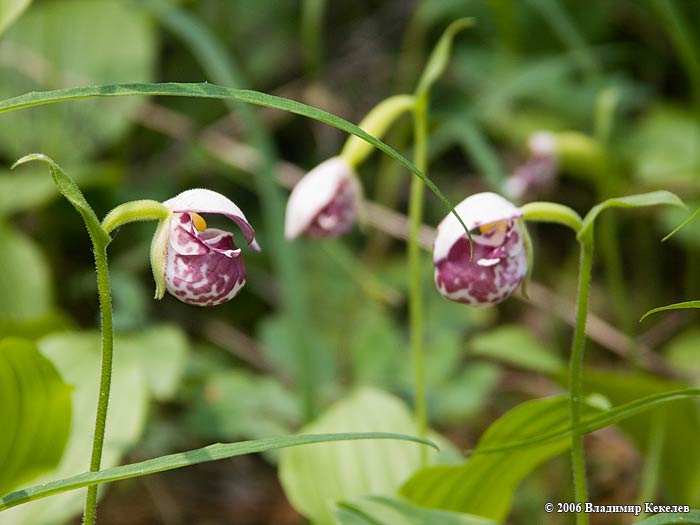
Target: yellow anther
198,221
500,227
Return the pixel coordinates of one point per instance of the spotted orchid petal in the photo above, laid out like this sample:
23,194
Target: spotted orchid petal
325,202
499,261
206,201
199,265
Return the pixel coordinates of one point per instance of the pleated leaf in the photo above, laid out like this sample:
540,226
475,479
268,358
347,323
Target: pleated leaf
35,411
317,477
484,485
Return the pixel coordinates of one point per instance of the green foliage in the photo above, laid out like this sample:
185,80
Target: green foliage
185,459
514,345
677,306
146,364
381,510
217,92
35,410
237,403
70,190
484,485
10,10
663,147
48,56
671,518
31,188
316,478
25,278
654,198
680,457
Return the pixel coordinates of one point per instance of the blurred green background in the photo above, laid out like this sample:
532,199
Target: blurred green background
619,82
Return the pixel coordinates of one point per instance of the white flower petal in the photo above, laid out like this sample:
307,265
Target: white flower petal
206,201
314,192
476,210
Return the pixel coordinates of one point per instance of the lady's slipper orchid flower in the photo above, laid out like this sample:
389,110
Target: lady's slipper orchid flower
325,202
199,265
499,261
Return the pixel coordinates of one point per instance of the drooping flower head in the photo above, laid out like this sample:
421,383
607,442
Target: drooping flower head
499,262
325,202
201,266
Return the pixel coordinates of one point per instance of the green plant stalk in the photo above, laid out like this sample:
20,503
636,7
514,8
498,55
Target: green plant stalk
683,40
414,266
312,12
652,461
107,329
576,373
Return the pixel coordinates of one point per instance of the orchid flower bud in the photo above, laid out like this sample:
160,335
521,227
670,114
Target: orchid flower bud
199,265
325,202
499,261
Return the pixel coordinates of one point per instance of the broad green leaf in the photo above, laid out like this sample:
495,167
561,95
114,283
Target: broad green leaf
316,478
35,411
10,10
49,54
676,306
484,485
381,510
69,189
207,90
663,147
239,404
36,328
682,354
653,198
592,423
25,278
185,459
673,518
142,364
514,345
465,393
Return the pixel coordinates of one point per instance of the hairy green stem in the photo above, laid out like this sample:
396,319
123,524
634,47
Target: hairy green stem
576,374
105,297
414,266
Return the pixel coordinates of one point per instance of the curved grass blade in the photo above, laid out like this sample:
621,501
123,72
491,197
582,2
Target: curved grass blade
673,518
437,63
609,417
653,198
206,90
185,459
674,306
682,225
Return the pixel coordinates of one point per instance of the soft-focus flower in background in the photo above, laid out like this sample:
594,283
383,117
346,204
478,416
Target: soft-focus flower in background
325,202
538,171
499,262
199,265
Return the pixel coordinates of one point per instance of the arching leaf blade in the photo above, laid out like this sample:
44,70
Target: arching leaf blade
185,459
